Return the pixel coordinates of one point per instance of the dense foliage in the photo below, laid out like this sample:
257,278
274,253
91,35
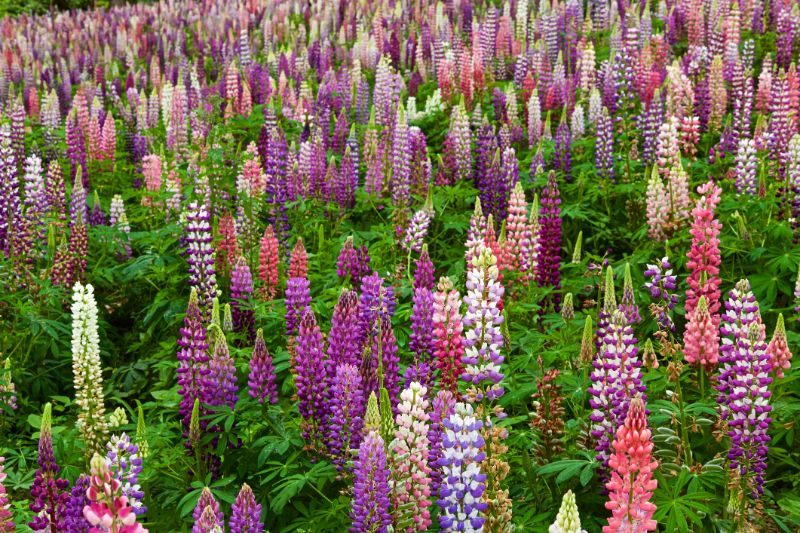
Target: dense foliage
458,266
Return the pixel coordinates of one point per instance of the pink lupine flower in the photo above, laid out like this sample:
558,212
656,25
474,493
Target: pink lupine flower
701,340
447,334
109,510
108,139
778,350
227,246
152,170
519,232
704,255
632,484
268,264
298,263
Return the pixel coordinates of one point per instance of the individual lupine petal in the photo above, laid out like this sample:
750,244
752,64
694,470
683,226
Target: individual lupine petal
296,299
298,264
628,303
241,294
632,468
268,264
261,380
460,503
48,491
778,349
311,376
701,340
568,520
370,505
87,368
246,513
347,409
447,334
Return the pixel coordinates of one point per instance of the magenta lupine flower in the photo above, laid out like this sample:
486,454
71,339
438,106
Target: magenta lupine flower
55,191
519,232
549,241
347,408
417,230
616,379
246,513
352,263
200,256
632,468
424,271
311,378
261,379
220,386
241,299
343,338
192,359
298,262
460,503
48,491
370,505
411,479
704,255
207,500
268,261
744,379
296,299
76,148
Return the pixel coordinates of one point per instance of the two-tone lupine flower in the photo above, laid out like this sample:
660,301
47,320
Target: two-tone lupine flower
549,238
36,202
298,263
461,490
632,469
567,520
347,410
779,354
447,335
657,207
417,230
125,464
296,299
746,166
616,379
192,359
246,513
701,339
74,521
78,206
48,491
704,255
371,507
207,501
311,380
476,231
268,260
483,338
519,232
744,379
462,139
661,283
87,369
108,510
604,150
628,303
200,256
443,405
241,299
424,270
220,386
8,391
261,379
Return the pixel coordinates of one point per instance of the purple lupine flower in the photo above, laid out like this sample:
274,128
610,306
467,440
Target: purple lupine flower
383,362
616,380
347,407
563,150
297,298
424,270
443,406
200,257
628,303
370,506
462,485
311,379
76,149
97,217
661,283
192,359
220,386
352,263
74,521
125,465
241,299
650,123
343,338
744,379
509,177
417,230
462,141
78,206
261,380
246,513
207,500
549,241
48,491
375,301
604,151
485,150
400,182
420,341
347,182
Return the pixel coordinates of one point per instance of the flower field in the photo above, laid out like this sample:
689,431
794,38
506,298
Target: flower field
400,265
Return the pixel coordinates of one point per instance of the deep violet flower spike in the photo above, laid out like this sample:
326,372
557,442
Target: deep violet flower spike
48,491
261,379
241,299
311,379
370,505
192,359
297,298
347,409
246,513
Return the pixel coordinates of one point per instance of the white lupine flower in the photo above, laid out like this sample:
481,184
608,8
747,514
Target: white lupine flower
568,520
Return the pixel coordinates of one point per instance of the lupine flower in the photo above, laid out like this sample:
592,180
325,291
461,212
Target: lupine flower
548,420
549,239
109,510
78,208
200,256
87,369
604,151
125,465
268,264
616,379
476,231
347,264
417,230
746,166
220,388
311,377
246,513
779,354
519,231
420,341
261,380
744,387
227,248
587,342
460,493
298,264
74,521
49,492
8,391
207,500
661,282
296,299
370,506
347,409
632,467
241,294
192,359
424,270
704,255
411,479
343,338
443,406
568,520
701,340
628,303
447,334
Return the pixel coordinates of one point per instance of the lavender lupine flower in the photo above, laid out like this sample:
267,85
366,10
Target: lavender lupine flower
616,379
400,181
311,377
347,406
296,299
36,202
261,380
207,500
382,367
49,492
661,283
628,303
746,163
443,406
200,256
343,338
192,359
10,207
74,521
420,341
370,506
220,386
376,301
78,206
744,379
125,465
246,513
549,241
563,150
417,230
604,151
241,299
462,486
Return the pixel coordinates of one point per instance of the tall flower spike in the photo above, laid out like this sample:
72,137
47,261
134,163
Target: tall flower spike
447,335
519,230
207,500
778,349
296,299
241,295
49,492
549,239
568,520
704,255
370,506
200,256
311,378
220,386
298,264
86,368
246,513
74,521
701,340
192,359
261,380
125,465
632,467
346,414
268,264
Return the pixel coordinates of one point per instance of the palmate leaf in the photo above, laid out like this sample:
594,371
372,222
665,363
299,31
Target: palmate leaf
679,507
570,468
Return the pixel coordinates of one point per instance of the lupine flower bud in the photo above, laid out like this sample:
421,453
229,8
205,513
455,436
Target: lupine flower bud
778,349
568,520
